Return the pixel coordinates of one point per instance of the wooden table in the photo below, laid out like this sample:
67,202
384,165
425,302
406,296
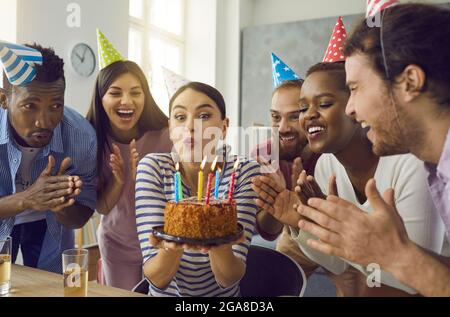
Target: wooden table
29,282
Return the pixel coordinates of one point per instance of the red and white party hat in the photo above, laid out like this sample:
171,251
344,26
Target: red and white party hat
376,6
335,48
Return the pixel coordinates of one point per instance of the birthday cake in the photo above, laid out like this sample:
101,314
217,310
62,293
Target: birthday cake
194,219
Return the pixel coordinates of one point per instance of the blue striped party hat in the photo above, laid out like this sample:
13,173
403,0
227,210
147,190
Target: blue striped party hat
19,62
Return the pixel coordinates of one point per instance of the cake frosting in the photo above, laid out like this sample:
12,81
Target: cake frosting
194,219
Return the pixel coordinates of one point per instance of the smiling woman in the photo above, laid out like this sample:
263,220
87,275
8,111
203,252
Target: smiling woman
129,125
123,103
322,109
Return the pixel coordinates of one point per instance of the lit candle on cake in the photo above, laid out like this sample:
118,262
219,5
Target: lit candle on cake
233,176
178,189
175,184
216,187
200,180
210,177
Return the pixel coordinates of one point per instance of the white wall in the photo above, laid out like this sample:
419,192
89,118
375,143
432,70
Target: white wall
213,48
8,23
44,22
8,20
228,54
234,15
282,11
200,28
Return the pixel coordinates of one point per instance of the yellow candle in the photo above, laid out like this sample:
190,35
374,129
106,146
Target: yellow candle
200,186
200,180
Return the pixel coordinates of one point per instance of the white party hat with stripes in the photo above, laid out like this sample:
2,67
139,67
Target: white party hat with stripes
19,62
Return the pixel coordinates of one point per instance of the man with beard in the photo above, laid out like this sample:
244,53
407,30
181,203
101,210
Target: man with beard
398,75
294,154
47,158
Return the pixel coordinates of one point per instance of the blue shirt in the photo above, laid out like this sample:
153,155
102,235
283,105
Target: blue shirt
74,137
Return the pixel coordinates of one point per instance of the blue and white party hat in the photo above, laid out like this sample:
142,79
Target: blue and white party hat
281,72
19,62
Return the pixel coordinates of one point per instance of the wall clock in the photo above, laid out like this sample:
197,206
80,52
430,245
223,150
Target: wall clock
83,59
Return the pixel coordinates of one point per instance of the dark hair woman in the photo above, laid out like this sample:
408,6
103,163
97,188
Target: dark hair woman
181,270
128,124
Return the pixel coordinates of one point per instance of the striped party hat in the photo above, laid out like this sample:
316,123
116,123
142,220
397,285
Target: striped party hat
19,62
376,6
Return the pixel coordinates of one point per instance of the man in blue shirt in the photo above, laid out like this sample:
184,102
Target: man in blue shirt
47,162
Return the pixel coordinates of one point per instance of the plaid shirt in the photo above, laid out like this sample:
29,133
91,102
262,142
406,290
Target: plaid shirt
74,137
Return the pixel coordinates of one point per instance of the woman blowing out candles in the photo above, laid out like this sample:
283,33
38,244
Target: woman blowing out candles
184,270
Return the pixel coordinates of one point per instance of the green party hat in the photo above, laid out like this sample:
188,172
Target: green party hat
107,53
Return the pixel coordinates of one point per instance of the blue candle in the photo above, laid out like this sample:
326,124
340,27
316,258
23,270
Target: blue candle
177,184
180,188
216,188
177,199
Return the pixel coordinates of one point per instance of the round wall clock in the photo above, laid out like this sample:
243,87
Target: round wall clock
83,61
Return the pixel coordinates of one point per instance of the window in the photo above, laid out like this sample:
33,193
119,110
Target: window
156,39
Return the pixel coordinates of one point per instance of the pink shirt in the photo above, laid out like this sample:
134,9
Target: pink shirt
117,234
439,184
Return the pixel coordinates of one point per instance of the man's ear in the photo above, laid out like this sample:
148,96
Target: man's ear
3,99
412,82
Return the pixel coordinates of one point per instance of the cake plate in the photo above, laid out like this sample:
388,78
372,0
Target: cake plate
159,233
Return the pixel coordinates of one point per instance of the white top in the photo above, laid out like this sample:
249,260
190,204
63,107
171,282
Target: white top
23,181
407,176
